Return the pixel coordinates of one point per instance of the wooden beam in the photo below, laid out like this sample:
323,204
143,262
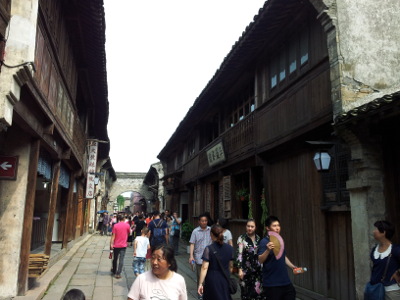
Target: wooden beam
28,218
66,154
52,207
49,129
68,220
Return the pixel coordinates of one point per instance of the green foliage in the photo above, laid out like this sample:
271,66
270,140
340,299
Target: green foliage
243,192
121,202
250,215
187,229
264,208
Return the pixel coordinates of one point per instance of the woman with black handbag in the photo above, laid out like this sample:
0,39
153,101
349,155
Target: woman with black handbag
385,258
217,264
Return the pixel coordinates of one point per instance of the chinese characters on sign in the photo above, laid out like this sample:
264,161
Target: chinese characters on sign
216,154
91,169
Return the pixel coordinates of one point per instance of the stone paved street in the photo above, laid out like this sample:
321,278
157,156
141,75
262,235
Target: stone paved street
87,267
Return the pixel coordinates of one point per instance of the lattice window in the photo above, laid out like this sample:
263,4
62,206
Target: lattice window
197,200
227,196
334,181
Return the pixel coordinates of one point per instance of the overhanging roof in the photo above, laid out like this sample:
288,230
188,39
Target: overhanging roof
382,105
86,24
266,26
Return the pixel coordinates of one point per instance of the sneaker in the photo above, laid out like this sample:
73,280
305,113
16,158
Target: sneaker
118,276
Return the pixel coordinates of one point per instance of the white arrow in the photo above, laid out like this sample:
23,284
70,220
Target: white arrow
5,165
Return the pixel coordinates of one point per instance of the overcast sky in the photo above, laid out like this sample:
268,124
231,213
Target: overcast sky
160,56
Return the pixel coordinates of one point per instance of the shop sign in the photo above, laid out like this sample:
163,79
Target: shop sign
93,145
8,167
216,155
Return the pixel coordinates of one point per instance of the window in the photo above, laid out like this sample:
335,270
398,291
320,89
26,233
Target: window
179,160
293,56
282,66
304,47
274,73
290,58
334,180
240,110
191,147
252,104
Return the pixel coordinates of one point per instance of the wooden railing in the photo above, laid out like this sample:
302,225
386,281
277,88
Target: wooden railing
236,141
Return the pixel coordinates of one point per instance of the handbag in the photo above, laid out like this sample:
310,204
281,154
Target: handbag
232,283
376,291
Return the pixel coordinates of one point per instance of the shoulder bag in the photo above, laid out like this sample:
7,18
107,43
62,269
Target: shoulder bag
376,291
232,283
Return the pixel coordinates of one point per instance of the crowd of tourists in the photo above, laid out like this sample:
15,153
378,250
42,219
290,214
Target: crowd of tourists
262,262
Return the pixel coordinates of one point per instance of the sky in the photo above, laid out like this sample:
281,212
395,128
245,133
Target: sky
160,56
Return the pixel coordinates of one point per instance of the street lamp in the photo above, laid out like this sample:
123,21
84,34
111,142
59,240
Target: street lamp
322,160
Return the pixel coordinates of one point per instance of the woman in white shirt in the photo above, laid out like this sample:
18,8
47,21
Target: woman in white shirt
162,281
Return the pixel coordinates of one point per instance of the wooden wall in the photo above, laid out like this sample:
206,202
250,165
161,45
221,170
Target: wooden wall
313,238
295,111
391,146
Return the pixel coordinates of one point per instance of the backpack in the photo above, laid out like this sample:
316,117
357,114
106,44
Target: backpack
158,234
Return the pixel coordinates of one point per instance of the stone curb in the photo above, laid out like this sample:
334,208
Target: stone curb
44,282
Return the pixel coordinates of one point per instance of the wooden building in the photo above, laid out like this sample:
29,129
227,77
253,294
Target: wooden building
53,101
282,95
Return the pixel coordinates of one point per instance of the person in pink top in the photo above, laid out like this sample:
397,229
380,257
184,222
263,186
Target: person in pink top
118,243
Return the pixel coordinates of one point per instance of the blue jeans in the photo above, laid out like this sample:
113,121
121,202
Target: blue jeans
138,265
118,253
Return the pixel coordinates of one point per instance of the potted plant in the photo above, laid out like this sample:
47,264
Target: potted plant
186,233
243,194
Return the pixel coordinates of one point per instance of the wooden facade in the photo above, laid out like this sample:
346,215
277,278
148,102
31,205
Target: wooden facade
61,103
271,95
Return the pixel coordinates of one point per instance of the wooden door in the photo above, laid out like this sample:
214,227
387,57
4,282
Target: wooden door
313,238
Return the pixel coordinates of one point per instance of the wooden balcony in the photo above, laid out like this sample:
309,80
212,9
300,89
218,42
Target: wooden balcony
237,141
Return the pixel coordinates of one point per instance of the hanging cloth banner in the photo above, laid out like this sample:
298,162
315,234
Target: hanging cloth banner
93,147
64,177
45,165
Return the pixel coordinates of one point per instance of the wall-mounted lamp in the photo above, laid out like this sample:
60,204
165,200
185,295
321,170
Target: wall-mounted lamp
322,160
45,183
96,180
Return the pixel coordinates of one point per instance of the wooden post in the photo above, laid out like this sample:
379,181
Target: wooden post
82,220
28,218
68,216
73,215
52,207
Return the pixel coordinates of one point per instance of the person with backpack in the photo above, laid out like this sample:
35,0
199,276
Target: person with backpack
158,230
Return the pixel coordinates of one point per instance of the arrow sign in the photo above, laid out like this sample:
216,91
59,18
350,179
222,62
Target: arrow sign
8,167
5,165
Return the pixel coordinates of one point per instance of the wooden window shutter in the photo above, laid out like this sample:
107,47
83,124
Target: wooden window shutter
208,197
197,202
227,196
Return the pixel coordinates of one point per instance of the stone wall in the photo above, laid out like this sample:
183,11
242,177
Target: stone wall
129,182
12,213
362,39
20,48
